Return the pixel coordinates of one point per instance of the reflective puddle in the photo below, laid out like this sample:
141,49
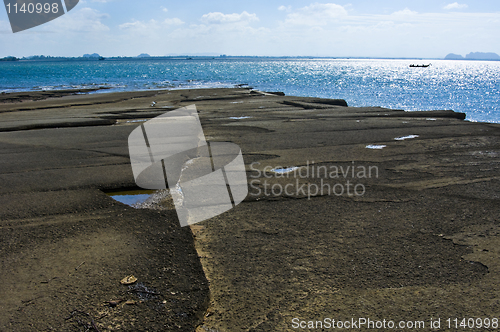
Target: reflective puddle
405,137
146,199
375,147
239,117
284,170
131,197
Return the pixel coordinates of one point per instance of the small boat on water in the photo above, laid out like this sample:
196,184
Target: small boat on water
420,66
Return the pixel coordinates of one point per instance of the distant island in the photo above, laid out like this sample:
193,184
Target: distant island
87,57
93,55
9,58
474,56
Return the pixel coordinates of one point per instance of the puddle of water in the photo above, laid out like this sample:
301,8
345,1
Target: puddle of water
405,137
131,197
284,170
431,119
149,199
153,199
375,147
239,117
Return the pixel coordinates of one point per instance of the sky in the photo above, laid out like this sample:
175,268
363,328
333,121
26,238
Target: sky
351,28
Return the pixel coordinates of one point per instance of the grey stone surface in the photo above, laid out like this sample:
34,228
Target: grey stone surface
420,243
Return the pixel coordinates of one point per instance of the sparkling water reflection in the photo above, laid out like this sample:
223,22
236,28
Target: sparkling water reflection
465,86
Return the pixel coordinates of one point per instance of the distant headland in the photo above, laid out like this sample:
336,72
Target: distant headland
474,56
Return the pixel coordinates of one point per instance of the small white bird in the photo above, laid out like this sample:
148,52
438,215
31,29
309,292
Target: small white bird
153,104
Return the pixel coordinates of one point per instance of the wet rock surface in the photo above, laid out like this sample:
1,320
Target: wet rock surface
405,232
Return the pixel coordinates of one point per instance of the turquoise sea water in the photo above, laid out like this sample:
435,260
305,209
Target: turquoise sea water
472,87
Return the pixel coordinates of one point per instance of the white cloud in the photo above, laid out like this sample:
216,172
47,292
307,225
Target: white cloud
82,20
133,25
151,25
164,9
173,21
455,5
404,12
285,8
220,18
317,14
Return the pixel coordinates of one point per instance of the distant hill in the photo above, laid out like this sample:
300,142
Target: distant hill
93,55
453,56
9,58
482,56
474,56
144,55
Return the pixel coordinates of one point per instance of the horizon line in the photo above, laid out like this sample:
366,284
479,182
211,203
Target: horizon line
224,56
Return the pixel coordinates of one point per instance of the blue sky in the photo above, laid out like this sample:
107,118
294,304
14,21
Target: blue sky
386,28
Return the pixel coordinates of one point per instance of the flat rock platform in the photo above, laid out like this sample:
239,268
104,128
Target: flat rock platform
376,214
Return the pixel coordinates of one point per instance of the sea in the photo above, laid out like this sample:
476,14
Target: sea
472,87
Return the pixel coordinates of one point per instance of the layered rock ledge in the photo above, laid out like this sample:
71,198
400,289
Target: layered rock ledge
415,239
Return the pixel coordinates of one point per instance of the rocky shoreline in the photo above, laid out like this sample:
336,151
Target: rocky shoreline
417,240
